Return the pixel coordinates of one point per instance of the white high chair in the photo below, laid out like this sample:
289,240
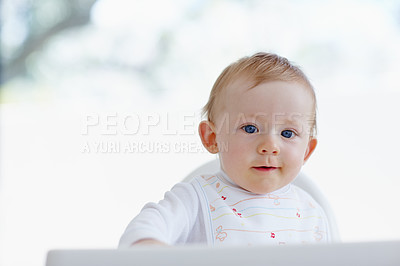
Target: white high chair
302,181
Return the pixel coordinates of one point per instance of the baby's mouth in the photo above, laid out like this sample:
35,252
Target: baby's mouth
265,168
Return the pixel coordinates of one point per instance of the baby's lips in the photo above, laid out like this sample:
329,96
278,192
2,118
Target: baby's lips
265,168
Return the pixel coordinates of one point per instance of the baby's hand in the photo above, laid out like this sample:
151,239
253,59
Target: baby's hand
149,242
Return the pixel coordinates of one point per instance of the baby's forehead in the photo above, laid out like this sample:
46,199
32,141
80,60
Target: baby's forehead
242,88
273,98
243,84
275,118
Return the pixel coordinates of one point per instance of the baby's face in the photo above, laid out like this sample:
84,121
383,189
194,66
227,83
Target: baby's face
263,134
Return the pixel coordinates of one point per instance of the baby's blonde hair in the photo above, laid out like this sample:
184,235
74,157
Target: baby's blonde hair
259,68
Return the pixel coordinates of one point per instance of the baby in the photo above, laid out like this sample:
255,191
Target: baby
262,123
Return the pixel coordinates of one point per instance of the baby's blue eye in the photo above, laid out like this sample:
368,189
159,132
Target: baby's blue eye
287,134
250,129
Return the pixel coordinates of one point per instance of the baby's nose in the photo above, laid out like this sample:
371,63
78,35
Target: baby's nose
268,146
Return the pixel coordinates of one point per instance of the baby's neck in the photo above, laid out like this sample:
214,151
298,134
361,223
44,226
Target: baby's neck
222,175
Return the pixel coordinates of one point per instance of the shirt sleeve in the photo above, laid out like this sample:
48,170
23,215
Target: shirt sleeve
169,221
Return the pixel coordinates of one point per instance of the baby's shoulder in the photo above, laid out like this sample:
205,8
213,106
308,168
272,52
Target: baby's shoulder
203,179
190,188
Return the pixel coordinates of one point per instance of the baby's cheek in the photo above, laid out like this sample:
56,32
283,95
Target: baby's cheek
227,143
233,155
294,156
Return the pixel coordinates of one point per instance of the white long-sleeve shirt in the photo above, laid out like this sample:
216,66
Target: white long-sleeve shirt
213,210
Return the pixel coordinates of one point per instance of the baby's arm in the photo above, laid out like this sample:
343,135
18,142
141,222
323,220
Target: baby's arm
168,222
148,242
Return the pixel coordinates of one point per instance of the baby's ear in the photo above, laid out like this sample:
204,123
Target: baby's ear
208,136
312,143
